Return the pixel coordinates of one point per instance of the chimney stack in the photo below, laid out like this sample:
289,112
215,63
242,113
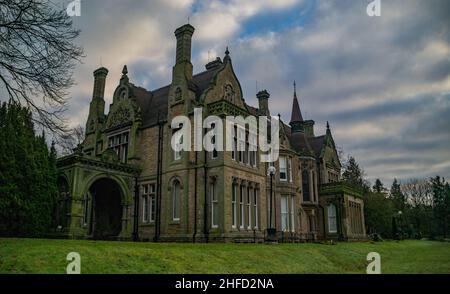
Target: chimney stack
99,83
184,41
263,100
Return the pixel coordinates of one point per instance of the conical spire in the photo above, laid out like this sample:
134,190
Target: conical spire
296,113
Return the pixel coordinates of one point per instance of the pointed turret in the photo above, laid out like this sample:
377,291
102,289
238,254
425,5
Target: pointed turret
296,117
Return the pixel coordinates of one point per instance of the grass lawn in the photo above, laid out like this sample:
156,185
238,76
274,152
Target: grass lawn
49,256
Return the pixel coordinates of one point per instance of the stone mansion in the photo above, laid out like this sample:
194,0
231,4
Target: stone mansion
125,182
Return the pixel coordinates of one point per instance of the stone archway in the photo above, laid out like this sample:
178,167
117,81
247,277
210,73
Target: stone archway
106,214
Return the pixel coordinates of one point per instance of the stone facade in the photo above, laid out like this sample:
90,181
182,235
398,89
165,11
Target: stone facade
126,182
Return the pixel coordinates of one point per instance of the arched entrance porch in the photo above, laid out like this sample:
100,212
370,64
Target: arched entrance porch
106,209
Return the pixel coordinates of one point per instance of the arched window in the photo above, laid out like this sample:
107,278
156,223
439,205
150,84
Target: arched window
305,186
332,224
176,187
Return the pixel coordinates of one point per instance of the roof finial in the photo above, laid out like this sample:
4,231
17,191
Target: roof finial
125,70
295,87
328,125
227,52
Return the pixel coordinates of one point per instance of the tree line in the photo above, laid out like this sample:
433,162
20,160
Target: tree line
415,208
28,188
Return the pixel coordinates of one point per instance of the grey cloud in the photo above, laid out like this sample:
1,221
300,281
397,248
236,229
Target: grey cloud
350,70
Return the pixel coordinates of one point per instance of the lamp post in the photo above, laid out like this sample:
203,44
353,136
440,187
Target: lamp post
396,225
270,230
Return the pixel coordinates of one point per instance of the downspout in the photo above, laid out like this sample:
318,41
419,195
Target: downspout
195,199
159,180
205,208
339,213
155,237
325,233
136,210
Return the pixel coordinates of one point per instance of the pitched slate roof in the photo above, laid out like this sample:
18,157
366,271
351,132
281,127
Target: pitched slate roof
155,102
317,144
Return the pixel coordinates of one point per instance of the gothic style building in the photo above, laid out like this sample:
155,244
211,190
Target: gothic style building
126,182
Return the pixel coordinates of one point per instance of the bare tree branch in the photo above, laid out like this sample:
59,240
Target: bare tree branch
37,58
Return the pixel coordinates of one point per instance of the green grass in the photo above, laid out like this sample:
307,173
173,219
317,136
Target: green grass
49,256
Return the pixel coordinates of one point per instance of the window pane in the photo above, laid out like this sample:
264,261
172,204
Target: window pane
241,207
305,186
284,214
332,225
176,200
233,206
145,208
255,208
292,214
283,170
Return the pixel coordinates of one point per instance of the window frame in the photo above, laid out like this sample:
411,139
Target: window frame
119,142
214,200
234,206
249,207
176,200
255,208
283,169
332,218
284,213
242,207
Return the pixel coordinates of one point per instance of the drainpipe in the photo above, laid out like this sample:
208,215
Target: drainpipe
159,180
195,199
325,233
205,209
136,210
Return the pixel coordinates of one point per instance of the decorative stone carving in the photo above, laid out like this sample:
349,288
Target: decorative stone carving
178,94
119,117
110,156
229,93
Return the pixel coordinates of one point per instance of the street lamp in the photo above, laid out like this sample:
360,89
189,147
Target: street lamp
271,172
397,225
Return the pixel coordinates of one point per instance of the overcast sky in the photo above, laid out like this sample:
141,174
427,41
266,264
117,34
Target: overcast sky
383,82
